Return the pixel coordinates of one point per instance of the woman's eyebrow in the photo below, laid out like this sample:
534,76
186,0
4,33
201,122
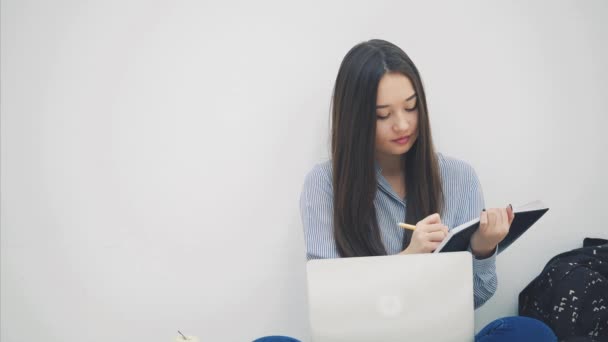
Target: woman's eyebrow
409,98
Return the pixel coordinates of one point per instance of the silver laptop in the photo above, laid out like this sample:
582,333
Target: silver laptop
420,297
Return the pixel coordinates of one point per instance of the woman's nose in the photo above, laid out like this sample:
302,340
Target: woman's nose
402,123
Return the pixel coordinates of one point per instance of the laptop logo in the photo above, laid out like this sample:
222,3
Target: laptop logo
389,306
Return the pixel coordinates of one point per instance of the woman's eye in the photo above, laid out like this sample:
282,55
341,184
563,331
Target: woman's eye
382,117
412,108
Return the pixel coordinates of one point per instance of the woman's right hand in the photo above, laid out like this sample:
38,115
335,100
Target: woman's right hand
428,235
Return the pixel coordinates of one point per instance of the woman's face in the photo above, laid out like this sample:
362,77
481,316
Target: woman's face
397,115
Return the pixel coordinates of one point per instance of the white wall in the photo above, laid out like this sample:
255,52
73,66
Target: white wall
153,153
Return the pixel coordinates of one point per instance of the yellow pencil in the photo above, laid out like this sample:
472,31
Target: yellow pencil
406,226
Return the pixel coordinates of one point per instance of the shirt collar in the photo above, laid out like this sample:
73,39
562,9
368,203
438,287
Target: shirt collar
384,185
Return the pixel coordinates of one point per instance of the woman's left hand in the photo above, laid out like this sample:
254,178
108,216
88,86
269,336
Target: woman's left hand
493,227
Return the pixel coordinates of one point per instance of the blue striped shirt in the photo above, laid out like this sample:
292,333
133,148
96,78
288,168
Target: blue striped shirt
463,201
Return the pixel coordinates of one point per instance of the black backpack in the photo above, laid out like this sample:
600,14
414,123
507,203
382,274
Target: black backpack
571,293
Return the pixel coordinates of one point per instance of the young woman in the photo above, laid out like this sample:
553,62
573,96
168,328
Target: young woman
384,169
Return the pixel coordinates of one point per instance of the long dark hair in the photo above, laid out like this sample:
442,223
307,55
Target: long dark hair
353,135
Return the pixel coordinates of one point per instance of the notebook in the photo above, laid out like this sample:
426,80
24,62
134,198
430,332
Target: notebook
392,298
525,216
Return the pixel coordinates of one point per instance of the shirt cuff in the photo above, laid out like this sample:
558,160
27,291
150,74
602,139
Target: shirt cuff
485,263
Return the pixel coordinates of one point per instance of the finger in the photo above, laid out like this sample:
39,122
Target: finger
483,220
432,219
510,214
505,217
429,228
491,219
436,236
501,213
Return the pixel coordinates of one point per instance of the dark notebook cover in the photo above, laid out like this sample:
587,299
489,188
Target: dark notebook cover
459,237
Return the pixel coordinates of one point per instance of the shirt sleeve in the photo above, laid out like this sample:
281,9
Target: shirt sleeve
316,210
485,280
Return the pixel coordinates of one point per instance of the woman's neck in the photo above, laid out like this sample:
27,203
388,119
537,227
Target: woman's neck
391,165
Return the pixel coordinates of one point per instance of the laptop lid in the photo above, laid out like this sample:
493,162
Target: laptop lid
419,297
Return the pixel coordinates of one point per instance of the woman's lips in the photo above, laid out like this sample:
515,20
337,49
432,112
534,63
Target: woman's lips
402,140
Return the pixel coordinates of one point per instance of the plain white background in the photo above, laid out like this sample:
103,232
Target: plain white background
153,152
